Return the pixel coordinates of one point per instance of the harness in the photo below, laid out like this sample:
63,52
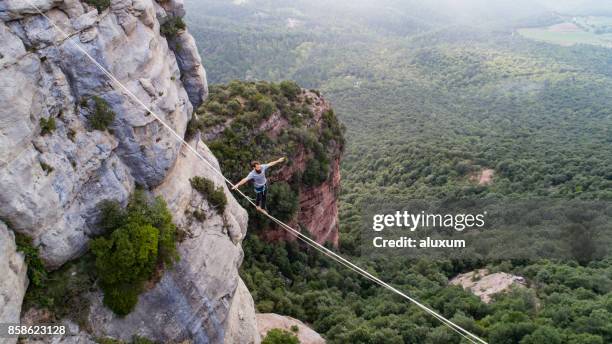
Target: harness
260,189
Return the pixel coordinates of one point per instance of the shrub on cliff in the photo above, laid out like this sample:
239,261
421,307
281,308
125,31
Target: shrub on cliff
141,238
100,5
283,201
290,89
279,336
47,126
172,26
37,274
332,129
214,195
63,291
316,172
102,115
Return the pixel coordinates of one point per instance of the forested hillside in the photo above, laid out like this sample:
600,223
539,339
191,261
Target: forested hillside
430,106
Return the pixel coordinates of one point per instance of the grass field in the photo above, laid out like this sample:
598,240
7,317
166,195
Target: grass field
580,30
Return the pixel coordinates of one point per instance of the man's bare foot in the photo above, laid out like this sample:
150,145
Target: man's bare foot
261,209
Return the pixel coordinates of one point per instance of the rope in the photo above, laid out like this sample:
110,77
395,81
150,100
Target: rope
458,329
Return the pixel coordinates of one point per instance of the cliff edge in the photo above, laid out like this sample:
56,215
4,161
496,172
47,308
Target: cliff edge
245,121
70,139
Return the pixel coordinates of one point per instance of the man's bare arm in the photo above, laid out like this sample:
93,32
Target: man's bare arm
272,163
240,183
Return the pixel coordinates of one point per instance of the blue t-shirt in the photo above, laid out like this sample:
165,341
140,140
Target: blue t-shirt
259,179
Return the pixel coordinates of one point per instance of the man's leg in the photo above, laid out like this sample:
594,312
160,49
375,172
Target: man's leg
264,195
258,198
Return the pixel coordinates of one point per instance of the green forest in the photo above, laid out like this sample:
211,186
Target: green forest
428,105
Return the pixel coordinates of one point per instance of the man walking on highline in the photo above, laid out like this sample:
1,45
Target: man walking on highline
258,176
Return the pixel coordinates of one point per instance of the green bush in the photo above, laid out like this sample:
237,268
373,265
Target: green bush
102,116
279,336
193,127
283,201
332,128
135,340
316,172
63,291
140,239
544,334
37,273
214,107
266,107
234,107
237,88
47,125
290,89
172,26
121,299
100,5
214,195
141,340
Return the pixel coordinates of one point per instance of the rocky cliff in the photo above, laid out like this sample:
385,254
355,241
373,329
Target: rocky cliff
318,202
57,163
275,120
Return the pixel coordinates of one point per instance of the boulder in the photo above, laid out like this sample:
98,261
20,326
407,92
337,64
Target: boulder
269,321
485,284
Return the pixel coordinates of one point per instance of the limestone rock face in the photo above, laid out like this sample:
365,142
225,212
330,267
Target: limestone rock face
193,299
50,185
51,182
183,45
193,73
241,326
14,281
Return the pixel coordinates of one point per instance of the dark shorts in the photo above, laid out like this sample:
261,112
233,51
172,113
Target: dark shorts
260,196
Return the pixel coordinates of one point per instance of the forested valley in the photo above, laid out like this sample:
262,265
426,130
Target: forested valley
430,103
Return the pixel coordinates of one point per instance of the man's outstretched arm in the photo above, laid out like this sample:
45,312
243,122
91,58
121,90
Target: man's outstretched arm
240,183
272,163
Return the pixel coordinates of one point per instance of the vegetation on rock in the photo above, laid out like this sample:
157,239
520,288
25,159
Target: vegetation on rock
139,239
46,167
135,340
47,125
100,5
172,25
280,336
102,115
284,200
214,195
37,273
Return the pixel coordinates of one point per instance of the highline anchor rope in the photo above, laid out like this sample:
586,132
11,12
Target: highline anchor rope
339,259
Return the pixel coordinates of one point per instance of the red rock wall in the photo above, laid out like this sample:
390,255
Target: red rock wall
318,210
